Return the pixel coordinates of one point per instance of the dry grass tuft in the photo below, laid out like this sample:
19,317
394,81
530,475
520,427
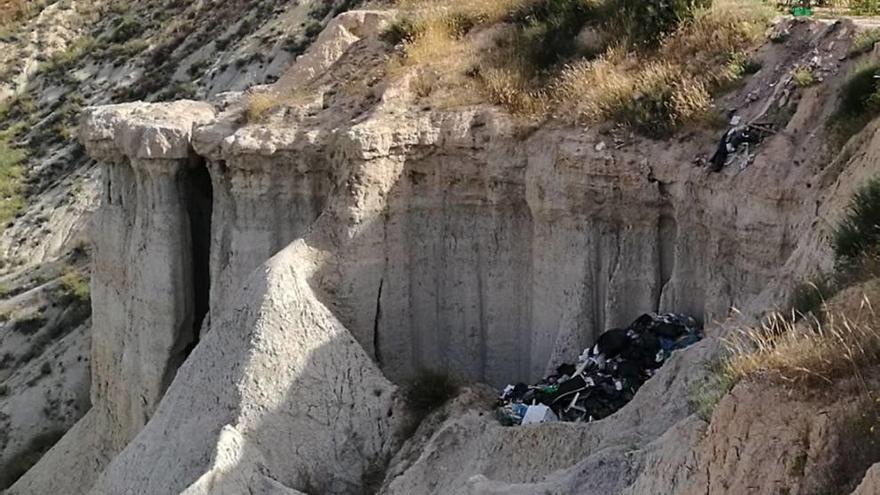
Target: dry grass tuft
844,344
512,89
654,98
12,10
259,104
706,46
453,11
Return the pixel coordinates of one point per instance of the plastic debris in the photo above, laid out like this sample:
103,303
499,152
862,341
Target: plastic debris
737,140
538,413
606,376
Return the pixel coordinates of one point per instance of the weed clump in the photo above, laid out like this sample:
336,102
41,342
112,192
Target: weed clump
59,63
403,30
858,235
647,21
803,77
75,287
428,390
548,29
11,178
796,353
864,41
808,297
258,105
124,29
858,103
704,395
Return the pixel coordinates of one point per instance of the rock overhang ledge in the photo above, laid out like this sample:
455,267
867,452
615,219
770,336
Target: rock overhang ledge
144,131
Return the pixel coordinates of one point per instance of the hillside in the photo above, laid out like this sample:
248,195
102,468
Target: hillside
256,226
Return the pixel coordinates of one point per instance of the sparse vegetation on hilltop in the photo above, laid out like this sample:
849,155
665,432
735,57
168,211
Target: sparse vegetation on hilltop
653,65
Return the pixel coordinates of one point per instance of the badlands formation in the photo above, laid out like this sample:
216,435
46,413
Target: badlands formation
261,289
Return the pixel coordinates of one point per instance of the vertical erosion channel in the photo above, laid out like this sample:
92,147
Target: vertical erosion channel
199,207
194,183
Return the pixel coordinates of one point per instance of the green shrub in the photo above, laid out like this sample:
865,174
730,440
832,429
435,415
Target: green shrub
858,234
17,108
858,102
75,287
428,390
648,21
704,395
424,393
803,77
663,100
864,41
401,30
11,177
549,28
124,29
62,62
808,297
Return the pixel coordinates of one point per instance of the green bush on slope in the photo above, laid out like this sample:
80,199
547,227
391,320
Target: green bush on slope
858,235
11,175
858,103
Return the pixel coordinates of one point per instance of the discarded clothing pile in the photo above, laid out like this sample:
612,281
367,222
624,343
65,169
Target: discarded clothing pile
606,376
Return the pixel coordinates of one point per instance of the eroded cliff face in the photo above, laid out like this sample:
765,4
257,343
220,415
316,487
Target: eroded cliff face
58,58
349,244
145,305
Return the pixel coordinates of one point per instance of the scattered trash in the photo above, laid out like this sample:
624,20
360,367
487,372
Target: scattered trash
606,375
600,146
734,140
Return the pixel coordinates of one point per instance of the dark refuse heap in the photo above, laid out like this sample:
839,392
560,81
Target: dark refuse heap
606,376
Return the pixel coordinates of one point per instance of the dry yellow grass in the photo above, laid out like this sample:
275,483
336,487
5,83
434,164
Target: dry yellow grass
670,83
845,343
727,28
512,89
259,104
483,11
12,10
676,72
654,94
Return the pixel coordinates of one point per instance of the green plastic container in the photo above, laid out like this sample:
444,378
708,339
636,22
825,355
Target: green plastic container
801,11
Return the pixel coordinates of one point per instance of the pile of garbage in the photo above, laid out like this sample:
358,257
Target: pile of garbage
606,376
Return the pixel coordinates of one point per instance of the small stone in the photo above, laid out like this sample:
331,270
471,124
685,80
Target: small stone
600,146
